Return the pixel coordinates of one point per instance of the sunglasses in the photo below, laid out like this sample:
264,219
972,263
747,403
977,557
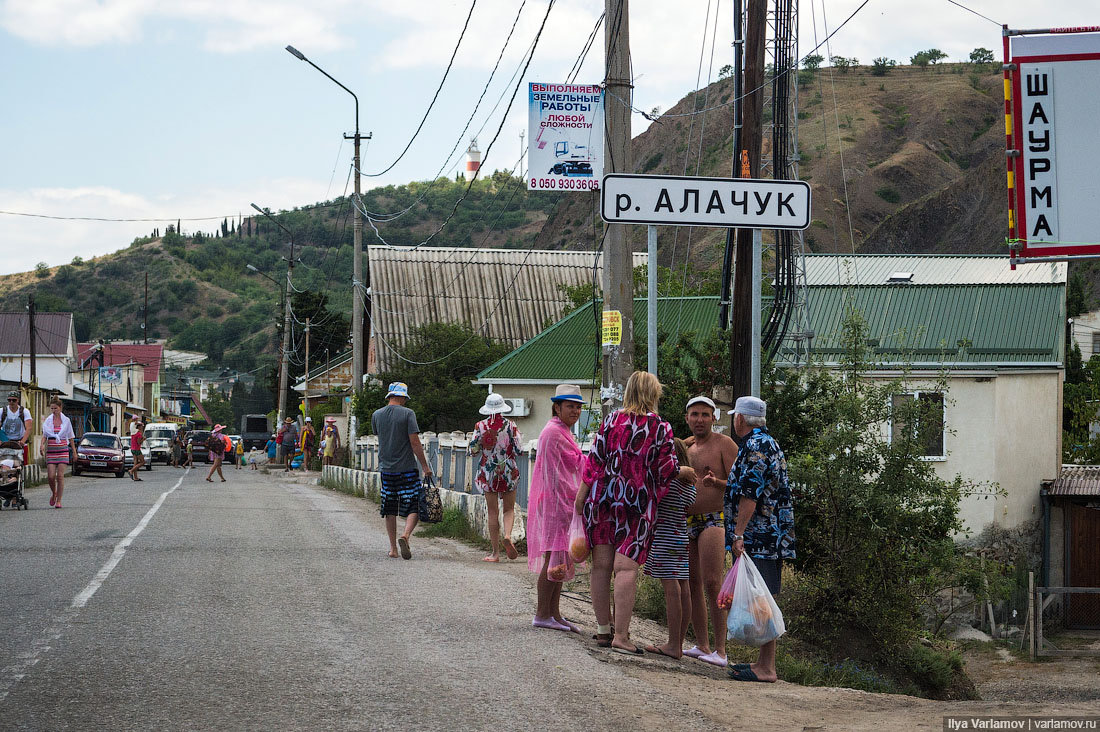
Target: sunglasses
12,400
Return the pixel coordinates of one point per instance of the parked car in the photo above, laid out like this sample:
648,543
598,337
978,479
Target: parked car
100,452
144,453
199,453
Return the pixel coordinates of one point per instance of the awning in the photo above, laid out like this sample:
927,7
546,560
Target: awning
1076,480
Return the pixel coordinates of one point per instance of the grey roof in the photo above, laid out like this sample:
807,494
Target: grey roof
929,269
1077,480
54,334
509,295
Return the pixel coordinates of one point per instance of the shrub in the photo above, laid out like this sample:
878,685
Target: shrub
888,194
41,270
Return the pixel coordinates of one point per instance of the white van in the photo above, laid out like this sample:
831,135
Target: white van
158,438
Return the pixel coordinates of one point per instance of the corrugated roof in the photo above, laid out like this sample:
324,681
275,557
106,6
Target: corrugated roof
148,355
941,269
1077,480
53,333
996,324
566,351
509,295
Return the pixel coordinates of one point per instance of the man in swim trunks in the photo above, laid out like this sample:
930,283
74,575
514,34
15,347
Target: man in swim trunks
712,454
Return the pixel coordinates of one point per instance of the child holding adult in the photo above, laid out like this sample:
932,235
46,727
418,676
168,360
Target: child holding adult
59,449
496,441
554,483
668,558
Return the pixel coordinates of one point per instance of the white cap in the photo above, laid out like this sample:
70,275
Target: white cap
309,419
701,400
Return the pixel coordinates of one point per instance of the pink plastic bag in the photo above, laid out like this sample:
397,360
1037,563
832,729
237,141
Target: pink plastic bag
725,594
578,540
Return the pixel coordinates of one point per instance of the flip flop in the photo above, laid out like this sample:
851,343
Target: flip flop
403,545
549,624
490,559
744,674
509,548
659,652
572,628
627,652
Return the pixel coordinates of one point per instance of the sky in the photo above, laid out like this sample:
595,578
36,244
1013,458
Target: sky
192,109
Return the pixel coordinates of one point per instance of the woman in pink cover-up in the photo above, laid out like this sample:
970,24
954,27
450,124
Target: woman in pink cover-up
554,483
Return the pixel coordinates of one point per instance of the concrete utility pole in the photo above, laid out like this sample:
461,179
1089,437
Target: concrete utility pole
618,265
284,365
741,329
31,335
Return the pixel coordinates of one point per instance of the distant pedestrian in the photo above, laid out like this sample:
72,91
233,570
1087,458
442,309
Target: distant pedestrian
289,443
272,448
215,445
497,442
137,437
59,449
626,475
331,441
190,451
16,423
668,558
239,452
399,450
555,480
253,459
759,514
309,443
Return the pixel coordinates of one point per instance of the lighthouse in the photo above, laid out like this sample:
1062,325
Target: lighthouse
473,160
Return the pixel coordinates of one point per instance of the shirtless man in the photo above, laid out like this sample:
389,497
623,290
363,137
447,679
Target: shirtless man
712,454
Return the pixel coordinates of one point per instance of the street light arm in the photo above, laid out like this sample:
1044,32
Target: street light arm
301,57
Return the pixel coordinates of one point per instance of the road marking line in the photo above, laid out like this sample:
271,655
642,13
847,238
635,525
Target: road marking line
120,550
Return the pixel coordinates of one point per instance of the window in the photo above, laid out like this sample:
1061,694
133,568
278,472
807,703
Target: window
927,415
1095,343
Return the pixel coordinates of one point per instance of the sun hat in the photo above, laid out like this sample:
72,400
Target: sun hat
309,419
567,393
288,420
398,388
750,406
495,404
218,428
701,400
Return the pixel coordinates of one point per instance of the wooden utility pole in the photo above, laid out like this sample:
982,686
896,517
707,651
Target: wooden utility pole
618,265
741,329
305,383
31,335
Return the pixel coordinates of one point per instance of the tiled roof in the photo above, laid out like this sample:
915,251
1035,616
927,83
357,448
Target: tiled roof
117,354
53,331
509,295
1077,480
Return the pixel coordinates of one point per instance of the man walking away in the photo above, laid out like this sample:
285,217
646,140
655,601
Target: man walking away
712,454
759,514
399,450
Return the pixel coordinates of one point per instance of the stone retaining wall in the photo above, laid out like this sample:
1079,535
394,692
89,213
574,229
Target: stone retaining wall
366,484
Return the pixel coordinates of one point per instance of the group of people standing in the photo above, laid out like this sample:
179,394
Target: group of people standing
646,500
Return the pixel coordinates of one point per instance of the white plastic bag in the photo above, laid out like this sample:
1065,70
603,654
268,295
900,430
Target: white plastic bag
754,618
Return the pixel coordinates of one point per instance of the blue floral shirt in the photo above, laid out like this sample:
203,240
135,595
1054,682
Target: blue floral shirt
760,473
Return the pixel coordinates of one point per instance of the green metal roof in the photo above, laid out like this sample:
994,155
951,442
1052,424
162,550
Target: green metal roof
947,325
566,351
1002,325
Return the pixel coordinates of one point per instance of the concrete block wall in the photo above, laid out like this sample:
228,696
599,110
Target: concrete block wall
366,484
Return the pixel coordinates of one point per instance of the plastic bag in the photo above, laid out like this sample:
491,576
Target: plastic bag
578,540
754,618
560,567
725,594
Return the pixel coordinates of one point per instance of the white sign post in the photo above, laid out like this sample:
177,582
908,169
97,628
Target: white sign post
743,203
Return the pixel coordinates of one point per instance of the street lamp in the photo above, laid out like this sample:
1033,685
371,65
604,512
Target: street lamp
285,363
360,284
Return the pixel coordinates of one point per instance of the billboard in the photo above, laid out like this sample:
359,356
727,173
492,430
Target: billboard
110,374
1052,105
565,152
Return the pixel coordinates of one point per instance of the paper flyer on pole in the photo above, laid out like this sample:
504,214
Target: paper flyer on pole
565,152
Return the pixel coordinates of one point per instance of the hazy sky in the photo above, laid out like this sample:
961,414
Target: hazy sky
192,108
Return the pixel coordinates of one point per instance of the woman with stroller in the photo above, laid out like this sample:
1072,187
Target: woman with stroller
498,442
59,449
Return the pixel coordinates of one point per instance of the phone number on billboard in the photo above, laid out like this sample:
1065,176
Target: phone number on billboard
564,184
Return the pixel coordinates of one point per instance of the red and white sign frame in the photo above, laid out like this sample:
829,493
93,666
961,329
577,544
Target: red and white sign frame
1043,224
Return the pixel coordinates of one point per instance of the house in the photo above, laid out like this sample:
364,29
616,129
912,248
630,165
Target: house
331,377
1071,519
55,353
996,336
509,295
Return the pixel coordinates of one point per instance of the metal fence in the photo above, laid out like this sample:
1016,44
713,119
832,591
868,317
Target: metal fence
1065,621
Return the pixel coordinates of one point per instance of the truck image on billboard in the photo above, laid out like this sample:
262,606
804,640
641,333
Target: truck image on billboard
565,152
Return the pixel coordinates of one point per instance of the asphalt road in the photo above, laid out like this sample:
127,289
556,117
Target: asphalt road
270,604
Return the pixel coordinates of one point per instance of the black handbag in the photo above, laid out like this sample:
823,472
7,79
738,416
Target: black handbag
431,507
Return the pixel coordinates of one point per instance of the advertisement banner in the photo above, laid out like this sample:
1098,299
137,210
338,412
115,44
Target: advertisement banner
566,123
110,374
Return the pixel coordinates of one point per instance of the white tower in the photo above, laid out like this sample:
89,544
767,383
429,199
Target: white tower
473,160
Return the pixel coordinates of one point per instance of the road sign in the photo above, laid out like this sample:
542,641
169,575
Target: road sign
725,202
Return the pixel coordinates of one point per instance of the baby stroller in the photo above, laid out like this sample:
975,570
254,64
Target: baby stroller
11,476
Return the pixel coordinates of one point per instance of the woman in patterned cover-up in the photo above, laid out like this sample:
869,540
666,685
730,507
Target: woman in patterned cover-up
59,447
498,442
627,473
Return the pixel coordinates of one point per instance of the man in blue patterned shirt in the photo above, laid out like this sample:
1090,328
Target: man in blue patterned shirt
759,514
